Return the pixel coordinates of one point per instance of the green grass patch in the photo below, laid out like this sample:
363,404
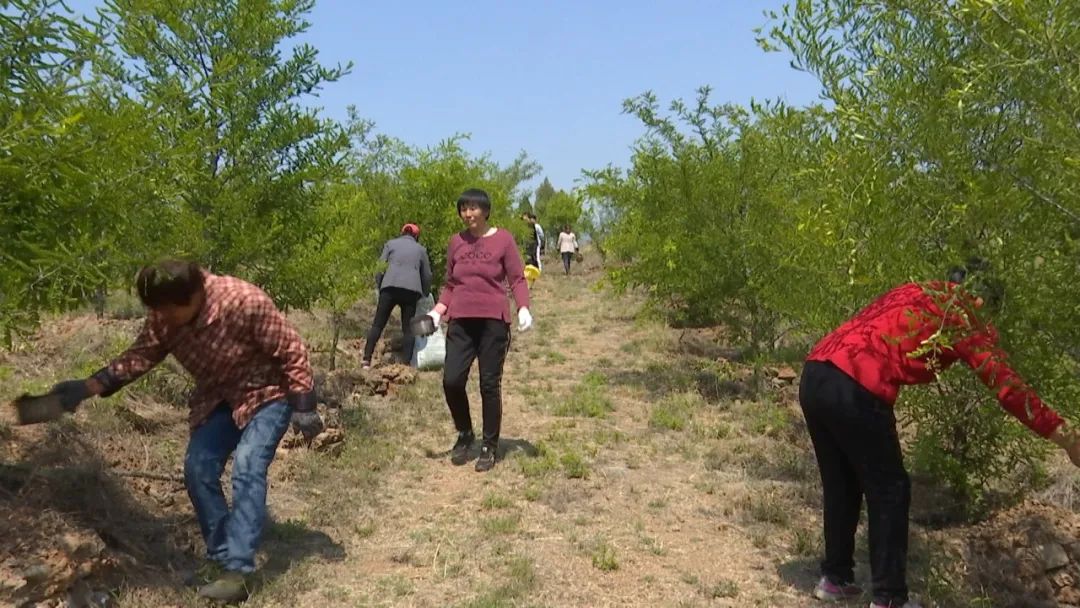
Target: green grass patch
805,542
675,411
767,508
555,357
518,582
587,400
533,492
574,465
493,501
505,524
770,420
604,557
543,464
721,589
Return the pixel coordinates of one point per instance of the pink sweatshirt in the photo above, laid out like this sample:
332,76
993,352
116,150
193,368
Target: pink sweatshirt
478,269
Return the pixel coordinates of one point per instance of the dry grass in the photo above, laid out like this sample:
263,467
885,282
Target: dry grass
633,474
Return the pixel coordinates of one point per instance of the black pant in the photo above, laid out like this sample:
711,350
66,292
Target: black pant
566,257
388,299
487,340
858,453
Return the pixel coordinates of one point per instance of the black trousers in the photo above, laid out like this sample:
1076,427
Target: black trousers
389,298
486,341
532,255
858,454
566,257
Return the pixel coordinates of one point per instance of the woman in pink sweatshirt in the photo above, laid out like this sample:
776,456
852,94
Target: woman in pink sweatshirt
482,260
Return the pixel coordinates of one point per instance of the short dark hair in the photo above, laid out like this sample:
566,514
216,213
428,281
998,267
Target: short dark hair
973,265
169,282
977,277
475,196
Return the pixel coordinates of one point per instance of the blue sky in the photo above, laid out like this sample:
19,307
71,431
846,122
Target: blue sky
545,77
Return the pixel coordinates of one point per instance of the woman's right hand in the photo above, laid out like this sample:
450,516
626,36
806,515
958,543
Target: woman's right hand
1068,441
435,316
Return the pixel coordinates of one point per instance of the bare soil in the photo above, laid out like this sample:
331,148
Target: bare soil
639,466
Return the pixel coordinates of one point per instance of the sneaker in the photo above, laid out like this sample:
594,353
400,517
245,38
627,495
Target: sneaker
829,591
365,365
486,460
907,604
229,587
459,455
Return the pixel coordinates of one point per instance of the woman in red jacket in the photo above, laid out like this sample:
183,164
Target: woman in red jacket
481,262
848,388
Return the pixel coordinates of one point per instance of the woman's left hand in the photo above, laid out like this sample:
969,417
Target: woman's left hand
525,319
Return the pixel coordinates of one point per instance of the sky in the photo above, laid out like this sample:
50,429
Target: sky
545,77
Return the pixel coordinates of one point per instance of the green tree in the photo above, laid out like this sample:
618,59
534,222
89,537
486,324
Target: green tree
524,205
390,184
46,155
544,192
248,162
949,133
957,118
562,209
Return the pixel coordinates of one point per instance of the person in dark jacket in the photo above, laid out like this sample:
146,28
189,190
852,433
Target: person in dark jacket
534,244
406,280
849,385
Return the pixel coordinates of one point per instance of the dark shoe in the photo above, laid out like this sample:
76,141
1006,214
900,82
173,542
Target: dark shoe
229,587
486,460
459,455
828,591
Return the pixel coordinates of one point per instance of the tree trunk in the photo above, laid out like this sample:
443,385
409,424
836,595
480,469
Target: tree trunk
99,301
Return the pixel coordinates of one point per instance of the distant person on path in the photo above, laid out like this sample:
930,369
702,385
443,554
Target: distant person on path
406,280
568,246
252,378
481,262
534,247
849,385
540,238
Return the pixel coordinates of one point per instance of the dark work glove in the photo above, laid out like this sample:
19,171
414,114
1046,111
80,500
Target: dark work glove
305,419
309,424
72,393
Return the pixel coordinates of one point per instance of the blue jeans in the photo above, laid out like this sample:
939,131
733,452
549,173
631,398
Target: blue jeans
233,536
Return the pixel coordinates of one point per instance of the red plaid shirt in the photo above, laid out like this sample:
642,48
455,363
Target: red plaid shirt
240,349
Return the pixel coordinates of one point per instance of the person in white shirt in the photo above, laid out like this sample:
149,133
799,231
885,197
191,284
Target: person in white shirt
568,246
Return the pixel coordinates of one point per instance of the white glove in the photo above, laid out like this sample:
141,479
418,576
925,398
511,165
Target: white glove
524,319
436,317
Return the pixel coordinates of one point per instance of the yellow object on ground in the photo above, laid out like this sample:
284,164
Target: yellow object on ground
531,274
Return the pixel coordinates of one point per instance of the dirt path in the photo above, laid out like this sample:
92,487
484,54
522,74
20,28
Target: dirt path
640,467
581,511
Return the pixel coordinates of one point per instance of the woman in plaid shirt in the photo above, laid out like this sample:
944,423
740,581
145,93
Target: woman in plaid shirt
252,377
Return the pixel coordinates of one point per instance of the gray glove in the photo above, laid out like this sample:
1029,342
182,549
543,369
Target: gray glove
309,424
71,393
305,419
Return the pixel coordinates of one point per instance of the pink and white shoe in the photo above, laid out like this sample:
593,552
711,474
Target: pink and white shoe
828,591
907,604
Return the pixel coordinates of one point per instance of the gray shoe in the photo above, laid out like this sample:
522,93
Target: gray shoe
229,587
486,460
